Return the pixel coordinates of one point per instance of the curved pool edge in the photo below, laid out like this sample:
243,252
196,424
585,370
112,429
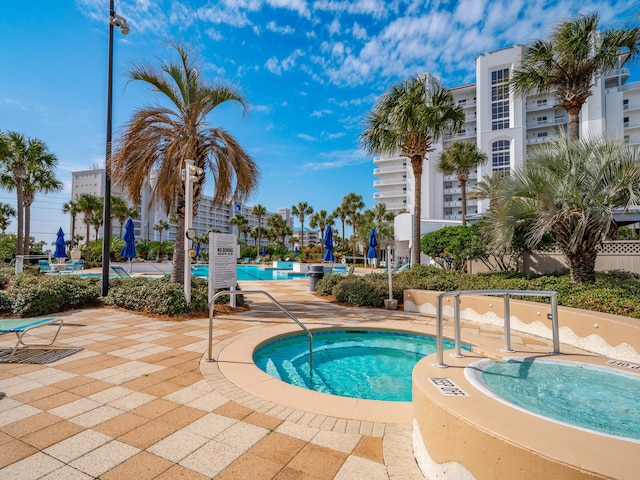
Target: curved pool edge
489,439
235,362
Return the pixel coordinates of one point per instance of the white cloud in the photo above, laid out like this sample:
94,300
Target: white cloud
321,113
305,137
338,159
273,27
278,66
334,27
359,33
299,6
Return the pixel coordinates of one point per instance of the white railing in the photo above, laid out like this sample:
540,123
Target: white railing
506,294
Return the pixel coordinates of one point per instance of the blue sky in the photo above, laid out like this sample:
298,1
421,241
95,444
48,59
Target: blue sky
310,70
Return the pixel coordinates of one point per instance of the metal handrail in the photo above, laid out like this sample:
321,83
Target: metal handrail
278,304
507,318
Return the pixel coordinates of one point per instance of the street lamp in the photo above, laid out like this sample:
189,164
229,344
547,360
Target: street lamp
120,22
190,175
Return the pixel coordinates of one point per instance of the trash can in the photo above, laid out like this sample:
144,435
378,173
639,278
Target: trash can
316,273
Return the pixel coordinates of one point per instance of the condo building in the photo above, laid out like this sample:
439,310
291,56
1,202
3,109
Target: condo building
207,216
505,127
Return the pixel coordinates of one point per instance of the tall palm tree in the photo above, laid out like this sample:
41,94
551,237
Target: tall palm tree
40,178
88,204
341,213
321,219
162,138
461,158
569,61
409,119
279,227
239,221
18,156
302,209
570,189
72,208
6,211
121,210
352,203
259,211
160,227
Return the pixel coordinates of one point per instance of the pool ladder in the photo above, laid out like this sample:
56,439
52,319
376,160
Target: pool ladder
276,303
553,316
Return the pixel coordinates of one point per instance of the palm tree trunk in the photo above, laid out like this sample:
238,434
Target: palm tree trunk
20,218
463,186
574,125
582,265
73,231
416,165
27,228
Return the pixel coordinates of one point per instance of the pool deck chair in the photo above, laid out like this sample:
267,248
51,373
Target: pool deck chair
45,267
20,326
121,272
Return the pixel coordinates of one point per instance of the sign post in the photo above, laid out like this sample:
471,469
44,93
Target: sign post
222,264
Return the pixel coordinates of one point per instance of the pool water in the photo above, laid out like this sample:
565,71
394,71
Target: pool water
252,272
370,364
595,398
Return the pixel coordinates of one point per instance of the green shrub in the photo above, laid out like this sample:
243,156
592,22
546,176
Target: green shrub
326,285
161,297
360,291
31,295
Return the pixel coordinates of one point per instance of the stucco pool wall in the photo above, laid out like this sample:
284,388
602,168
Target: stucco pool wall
473,436
608,335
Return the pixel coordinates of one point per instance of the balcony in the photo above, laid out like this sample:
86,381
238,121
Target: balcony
630,125
635,140
539,140
391,169
535,106
462,135
467,103
389,195
547,122
631,106
452,190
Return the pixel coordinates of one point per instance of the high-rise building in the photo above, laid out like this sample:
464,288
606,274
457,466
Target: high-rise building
207,216
505,127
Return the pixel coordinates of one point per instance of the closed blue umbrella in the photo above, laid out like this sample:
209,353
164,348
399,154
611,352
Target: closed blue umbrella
373,243
129,250
295,252
264,251
61,248
328,245
197,250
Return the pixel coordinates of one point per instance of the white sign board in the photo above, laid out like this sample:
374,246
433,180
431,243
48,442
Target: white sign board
222,262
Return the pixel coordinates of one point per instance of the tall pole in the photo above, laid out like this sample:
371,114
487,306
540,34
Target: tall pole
120,22
106,216
188,214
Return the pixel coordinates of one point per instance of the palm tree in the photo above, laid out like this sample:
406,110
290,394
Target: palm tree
71,207
6,211
40,178
162,138
239,221
160,227
121,210
341,213
569,61
279,227
408,119
19,156
461,158
88,204
571,190
352,203
259,211
301,210
321,219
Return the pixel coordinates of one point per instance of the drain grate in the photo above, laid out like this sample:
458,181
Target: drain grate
36,355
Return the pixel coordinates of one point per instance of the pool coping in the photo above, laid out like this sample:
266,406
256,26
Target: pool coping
512,435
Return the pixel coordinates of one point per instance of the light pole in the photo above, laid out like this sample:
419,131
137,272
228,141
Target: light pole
190,175
121,22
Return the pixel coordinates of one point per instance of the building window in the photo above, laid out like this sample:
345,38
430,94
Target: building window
501,156
542,134
542,103
500,99
542,120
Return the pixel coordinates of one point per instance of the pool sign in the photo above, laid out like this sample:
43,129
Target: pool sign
237,208
448,387
222,262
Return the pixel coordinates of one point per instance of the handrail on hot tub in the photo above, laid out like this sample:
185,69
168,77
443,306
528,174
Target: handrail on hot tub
507,317
277,304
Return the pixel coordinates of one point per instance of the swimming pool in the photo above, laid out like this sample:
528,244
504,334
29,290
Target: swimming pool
369,364
590,397
252,272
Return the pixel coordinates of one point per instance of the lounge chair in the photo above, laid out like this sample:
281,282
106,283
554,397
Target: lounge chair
20,326
340,269
246,260
352,269
45,267
121,272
